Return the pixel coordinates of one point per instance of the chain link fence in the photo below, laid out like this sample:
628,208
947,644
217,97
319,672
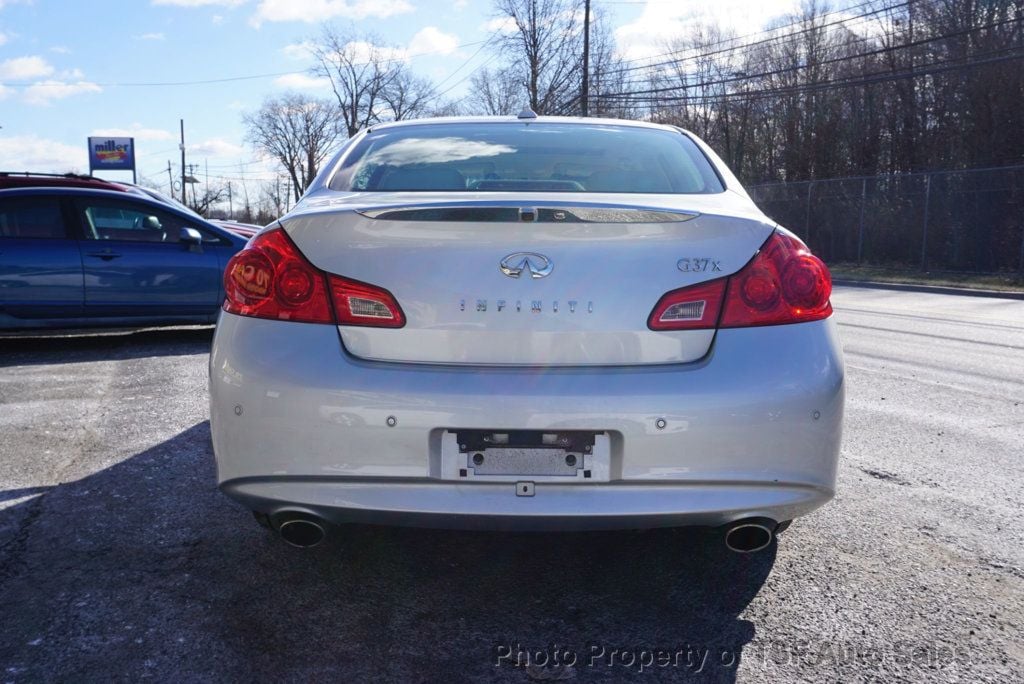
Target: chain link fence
965,221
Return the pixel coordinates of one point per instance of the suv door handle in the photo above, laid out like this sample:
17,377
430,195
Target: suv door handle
106,255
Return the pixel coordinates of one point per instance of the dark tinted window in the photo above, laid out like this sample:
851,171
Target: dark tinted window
112,220
543,157
31,217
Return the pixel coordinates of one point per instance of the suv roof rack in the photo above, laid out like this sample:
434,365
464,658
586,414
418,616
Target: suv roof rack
79,176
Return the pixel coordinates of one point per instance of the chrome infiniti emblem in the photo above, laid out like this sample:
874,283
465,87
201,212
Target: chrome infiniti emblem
515,264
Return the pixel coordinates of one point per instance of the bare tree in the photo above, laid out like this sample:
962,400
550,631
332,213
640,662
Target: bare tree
370,80
211,195
296,131
496,93
547,41
407,96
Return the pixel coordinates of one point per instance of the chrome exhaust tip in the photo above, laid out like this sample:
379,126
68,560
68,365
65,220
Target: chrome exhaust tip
302,532
748,536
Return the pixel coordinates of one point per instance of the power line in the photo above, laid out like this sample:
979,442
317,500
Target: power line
228,79
747,46
876,77
834,60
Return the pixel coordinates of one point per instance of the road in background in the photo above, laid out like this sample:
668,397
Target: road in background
120,560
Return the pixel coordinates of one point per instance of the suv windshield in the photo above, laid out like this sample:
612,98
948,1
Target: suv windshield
543,157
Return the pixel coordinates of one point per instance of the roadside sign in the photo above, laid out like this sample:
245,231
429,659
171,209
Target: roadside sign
108,153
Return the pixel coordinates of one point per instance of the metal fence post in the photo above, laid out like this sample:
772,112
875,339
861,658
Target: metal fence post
924,232
860,228
1021,267
807,219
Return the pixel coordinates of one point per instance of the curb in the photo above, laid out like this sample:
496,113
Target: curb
932,289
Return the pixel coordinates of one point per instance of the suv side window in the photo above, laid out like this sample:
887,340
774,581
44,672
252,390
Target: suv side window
112,220
31,217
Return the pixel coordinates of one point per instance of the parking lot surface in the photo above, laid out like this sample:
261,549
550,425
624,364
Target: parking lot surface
119,560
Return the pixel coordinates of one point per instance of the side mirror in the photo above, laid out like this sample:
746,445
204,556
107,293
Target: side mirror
193,238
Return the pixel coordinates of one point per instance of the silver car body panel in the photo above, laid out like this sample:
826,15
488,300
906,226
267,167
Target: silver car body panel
753,429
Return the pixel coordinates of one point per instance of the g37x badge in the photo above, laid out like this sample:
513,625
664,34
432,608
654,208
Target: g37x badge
698,265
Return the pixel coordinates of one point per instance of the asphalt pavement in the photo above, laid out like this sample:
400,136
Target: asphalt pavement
120,561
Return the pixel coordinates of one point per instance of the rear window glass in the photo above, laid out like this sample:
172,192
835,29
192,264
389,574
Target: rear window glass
35,217
542,157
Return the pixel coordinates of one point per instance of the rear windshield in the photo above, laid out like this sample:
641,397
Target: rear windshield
542,157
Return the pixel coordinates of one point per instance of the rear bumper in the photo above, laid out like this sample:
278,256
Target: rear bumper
553,506
751,430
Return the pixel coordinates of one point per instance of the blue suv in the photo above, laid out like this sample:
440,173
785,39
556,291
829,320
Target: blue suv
77,257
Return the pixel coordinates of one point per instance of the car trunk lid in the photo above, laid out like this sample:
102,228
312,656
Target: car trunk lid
541,281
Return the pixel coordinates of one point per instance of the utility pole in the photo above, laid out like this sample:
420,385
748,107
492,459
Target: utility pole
231,210
585,91
170,180
192,177
184,199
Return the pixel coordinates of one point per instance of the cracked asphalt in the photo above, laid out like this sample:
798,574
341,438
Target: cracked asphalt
120,561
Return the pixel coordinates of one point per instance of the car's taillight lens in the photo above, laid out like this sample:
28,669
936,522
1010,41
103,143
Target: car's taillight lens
271,278
357,303
689,308
783,283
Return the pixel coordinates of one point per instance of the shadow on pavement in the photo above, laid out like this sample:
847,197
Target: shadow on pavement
101,345
145,569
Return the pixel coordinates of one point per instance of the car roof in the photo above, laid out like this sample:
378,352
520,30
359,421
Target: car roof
27,179
111,194
571,120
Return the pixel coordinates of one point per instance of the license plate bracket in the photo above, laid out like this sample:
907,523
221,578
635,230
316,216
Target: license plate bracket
534,453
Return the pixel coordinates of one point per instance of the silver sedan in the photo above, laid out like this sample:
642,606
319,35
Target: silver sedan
527,323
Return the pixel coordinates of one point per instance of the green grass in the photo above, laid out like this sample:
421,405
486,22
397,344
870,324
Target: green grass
1006,282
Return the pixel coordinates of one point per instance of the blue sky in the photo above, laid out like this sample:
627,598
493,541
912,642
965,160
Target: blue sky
70,69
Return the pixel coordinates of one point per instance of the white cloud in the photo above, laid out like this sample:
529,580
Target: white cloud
299,51
216,147
315,11
217,19
137,131
199,3
5,91
660,22
61,49
150,36
3,38
460,4
302,82
362,51
23,68
43,92
500,25
432,40
32,153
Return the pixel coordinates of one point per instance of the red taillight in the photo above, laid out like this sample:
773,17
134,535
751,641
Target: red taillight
271,278
783,283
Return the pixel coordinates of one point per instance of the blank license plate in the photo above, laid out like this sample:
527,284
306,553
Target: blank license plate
524,461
